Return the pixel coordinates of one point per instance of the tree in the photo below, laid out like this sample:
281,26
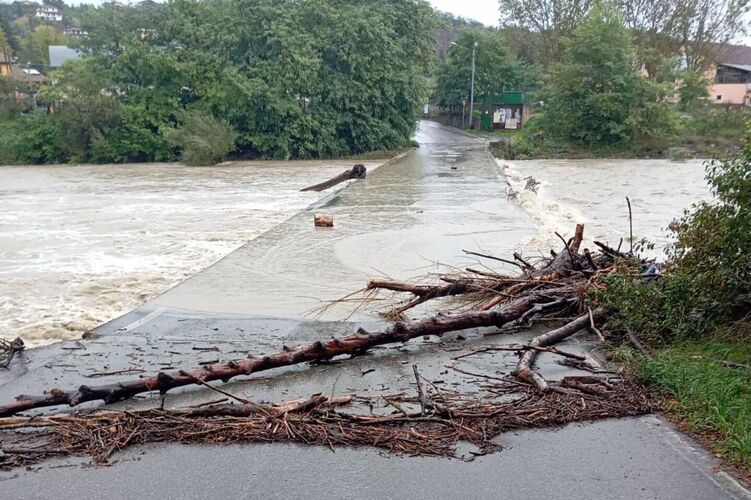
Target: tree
703,26
550,20
692,29
595,92
35,45
4,46
319,78
693,88
496,69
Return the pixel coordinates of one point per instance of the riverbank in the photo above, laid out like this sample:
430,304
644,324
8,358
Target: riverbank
521,147
707,132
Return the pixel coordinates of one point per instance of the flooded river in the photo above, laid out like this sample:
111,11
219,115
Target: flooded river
80,245
594,192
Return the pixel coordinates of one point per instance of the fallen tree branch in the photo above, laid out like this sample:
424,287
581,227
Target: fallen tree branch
351,345
356,172
524,369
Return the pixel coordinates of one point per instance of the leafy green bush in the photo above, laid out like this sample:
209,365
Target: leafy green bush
32,140
707,287
202,139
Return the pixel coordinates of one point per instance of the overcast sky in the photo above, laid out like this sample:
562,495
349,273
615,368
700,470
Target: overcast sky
485,11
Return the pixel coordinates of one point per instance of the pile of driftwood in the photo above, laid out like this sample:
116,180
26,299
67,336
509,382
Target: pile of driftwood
553,287
446,419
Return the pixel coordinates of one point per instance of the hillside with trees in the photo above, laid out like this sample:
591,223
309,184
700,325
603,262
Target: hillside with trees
325,78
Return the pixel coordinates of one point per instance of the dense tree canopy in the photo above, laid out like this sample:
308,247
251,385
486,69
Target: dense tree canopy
594,94
292,79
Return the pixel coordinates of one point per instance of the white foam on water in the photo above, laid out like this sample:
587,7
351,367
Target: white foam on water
593,192
550,215
80,245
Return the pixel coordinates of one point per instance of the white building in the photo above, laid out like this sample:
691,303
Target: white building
49,13
75,33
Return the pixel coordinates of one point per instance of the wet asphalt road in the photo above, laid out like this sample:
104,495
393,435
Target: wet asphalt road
400,221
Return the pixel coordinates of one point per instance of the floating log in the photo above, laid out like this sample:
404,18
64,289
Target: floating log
357,172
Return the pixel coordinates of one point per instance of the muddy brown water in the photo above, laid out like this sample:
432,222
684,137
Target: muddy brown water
80,245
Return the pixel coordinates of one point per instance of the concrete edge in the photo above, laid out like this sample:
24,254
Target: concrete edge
331,196
111,326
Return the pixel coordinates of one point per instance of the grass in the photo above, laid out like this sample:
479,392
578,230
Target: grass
709,396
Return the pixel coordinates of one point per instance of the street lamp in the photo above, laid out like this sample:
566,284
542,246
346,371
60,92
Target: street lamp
472,90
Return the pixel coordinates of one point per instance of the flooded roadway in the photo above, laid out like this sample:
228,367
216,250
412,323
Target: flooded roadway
408,218
80,245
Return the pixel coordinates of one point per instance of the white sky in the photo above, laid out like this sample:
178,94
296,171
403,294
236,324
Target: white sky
485,11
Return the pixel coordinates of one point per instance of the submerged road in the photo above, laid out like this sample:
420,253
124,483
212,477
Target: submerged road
408,218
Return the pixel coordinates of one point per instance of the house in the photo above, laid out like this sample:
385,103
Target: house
731,79
6,64
59,54
49,13
732,85
75,33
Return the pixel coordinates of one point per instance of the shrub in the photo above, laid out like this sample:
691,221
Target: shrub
707,289
202,139
31,140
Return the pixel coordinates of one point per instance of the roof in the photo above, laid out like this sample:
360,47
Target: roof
29,74
735,55
742,67
59,54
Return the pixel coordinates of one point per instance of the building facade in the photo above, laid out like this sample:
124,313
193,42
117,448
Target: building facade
732,85
50,14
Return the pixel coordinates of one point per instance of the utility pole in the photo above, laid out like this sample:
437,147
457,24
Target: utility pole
472,90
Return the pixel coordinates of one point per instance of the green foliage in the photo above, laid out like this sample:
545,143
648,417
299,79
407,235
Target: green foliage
5,49
294,79
203,139
711,395
693,89
713,250
34,46
31,140
496,69
595,93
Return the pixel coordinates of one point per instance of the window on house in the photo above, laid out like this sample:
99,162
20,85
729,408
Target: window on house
719,97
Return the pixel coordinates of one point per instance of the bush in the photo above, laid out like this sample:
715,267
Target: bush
202,139
32,140
707,288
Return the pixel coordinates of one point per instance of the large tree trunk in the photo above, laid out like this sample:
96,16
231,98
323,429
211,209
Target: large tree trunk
351,345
